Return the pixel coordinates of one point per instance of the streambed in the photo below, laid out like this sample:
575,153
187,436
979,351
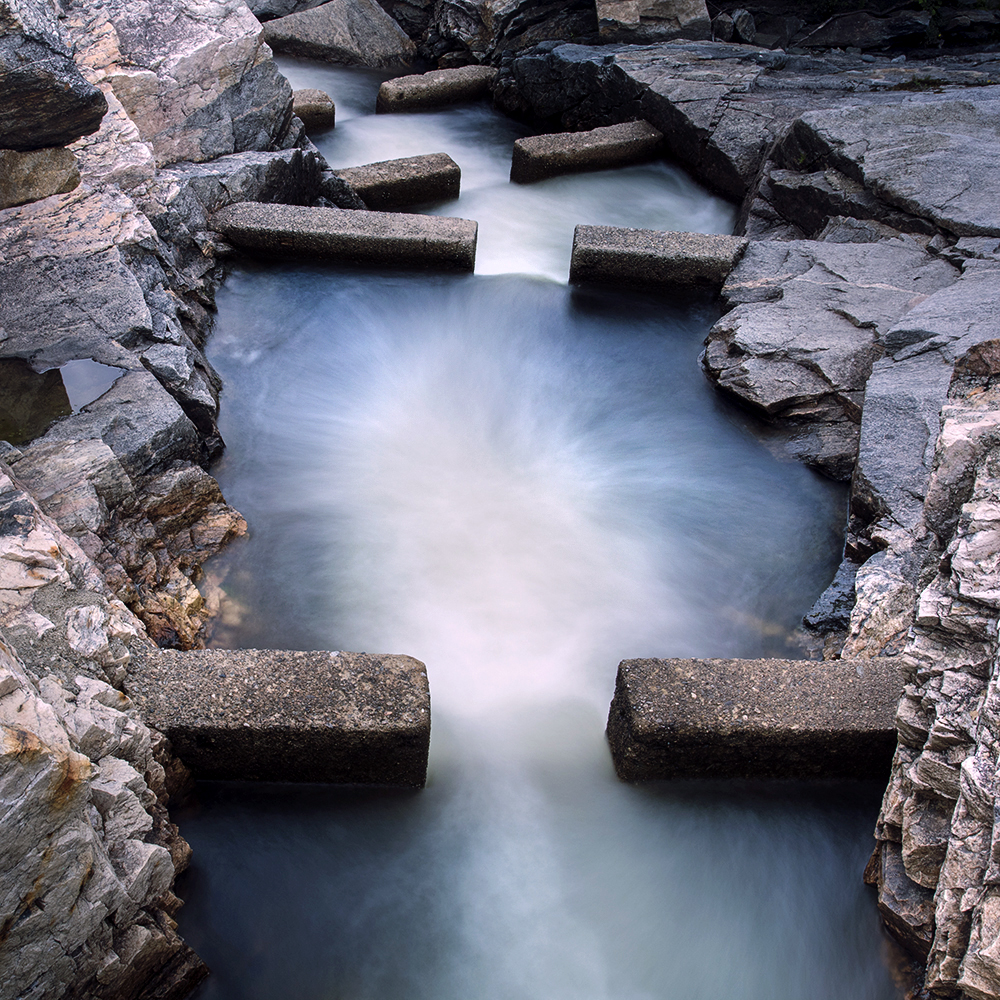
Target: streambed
519,484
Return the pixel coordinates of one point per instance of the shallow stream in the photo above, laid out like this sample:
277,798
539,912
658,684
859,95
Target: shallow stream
520,484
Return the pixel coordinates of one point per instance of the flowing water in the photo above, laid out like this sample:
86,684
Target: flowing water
520,484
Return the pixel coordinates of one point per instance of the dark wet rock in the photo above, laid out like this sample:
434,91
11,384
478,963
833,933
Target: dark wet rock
906,908
44,99
744,26
753,718
267,10
410,180
352,32
26,177
862,30
314,108
427,90
809,322
388,238
539,156
643,21
832,611
277,715
29,401
650,258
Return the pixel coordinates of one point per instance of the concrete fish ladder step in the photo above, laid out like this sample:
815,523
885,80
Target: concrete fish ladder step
754,718
280,715
434,89
411,180
616,255
539,156
392,239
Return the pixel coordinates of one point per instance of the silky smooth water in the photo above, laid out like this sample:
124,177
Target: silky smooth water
520,484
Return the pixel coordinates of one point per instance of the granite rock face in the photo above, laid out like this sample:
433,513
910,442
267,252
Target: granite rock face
807,322
642,21
44,99
26,177
352,32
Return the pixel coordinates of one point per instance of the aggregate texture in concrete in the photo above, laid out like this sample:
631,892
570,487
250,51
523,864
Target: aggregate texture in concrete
410,180
279,715
649,257
429,90
754,718
539,156
387,238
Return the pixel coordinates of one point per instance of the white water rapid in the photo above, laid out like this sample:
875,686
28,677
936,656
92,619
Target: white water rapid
520,484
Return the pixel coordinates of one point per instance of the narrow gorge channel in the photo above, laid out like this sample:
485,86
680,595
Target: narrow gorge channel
520,484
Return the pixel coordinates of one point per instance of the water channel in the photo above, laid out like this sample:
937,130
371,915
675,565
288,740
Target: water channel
520,484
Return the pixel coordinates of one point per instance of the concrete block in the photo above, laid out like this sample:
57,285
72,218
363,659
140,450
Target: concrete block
648,257
392,239
411,180
315,109
278,715
431,90
540,156
754,718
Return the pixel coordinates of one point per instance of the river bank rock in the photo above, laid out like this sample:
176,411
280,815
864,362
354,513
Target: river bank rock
642,21
26,177
351,32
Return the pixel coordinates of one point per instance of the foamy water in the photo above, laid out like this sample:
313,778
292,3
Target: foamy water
520,485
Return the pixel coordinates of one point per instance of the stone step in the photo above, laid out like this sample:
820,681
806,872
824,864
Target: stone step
280,715
392,239
433,89
540,156
648,257
754,718
315,108
411,180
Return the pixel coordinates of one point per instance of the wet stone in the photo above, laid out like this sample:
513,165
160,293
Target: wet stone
29,401
410,180
279,715
391,239
754,718
540,156
648,257
429,90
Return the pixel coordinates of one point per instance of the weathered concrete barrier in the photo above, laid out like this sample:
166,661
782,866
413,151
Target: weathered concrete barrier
540,156
276,715
754,718
430,90
393,239
410,180
648,257
315,108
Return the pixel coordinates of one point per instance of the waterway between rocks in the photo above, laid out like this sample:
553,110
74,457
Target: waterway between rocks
519,484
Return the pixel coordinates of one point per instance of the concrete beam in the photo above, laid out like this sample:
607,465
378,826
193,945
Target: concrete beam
315,108
540,156
647,257
411,180
392,239
754,718
431,90
278,715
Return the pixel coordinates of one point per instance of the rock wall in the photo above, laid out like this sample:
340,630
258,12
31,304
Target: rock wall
161,114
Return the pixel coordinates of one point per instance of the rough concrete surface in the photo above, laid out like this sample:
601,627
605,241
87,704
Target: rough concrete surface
410,180
753,718
648,257
392,239
429,90
314,108
277,715
539,156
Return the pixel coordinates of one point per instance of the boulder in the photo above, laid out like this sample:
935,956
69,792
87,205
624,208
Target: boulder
540,156
387,238
276,715
314,108
353,32
642,21
428,90
411,180
267,10
646,257
810,320
869,31
753,718
30,176
44,99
